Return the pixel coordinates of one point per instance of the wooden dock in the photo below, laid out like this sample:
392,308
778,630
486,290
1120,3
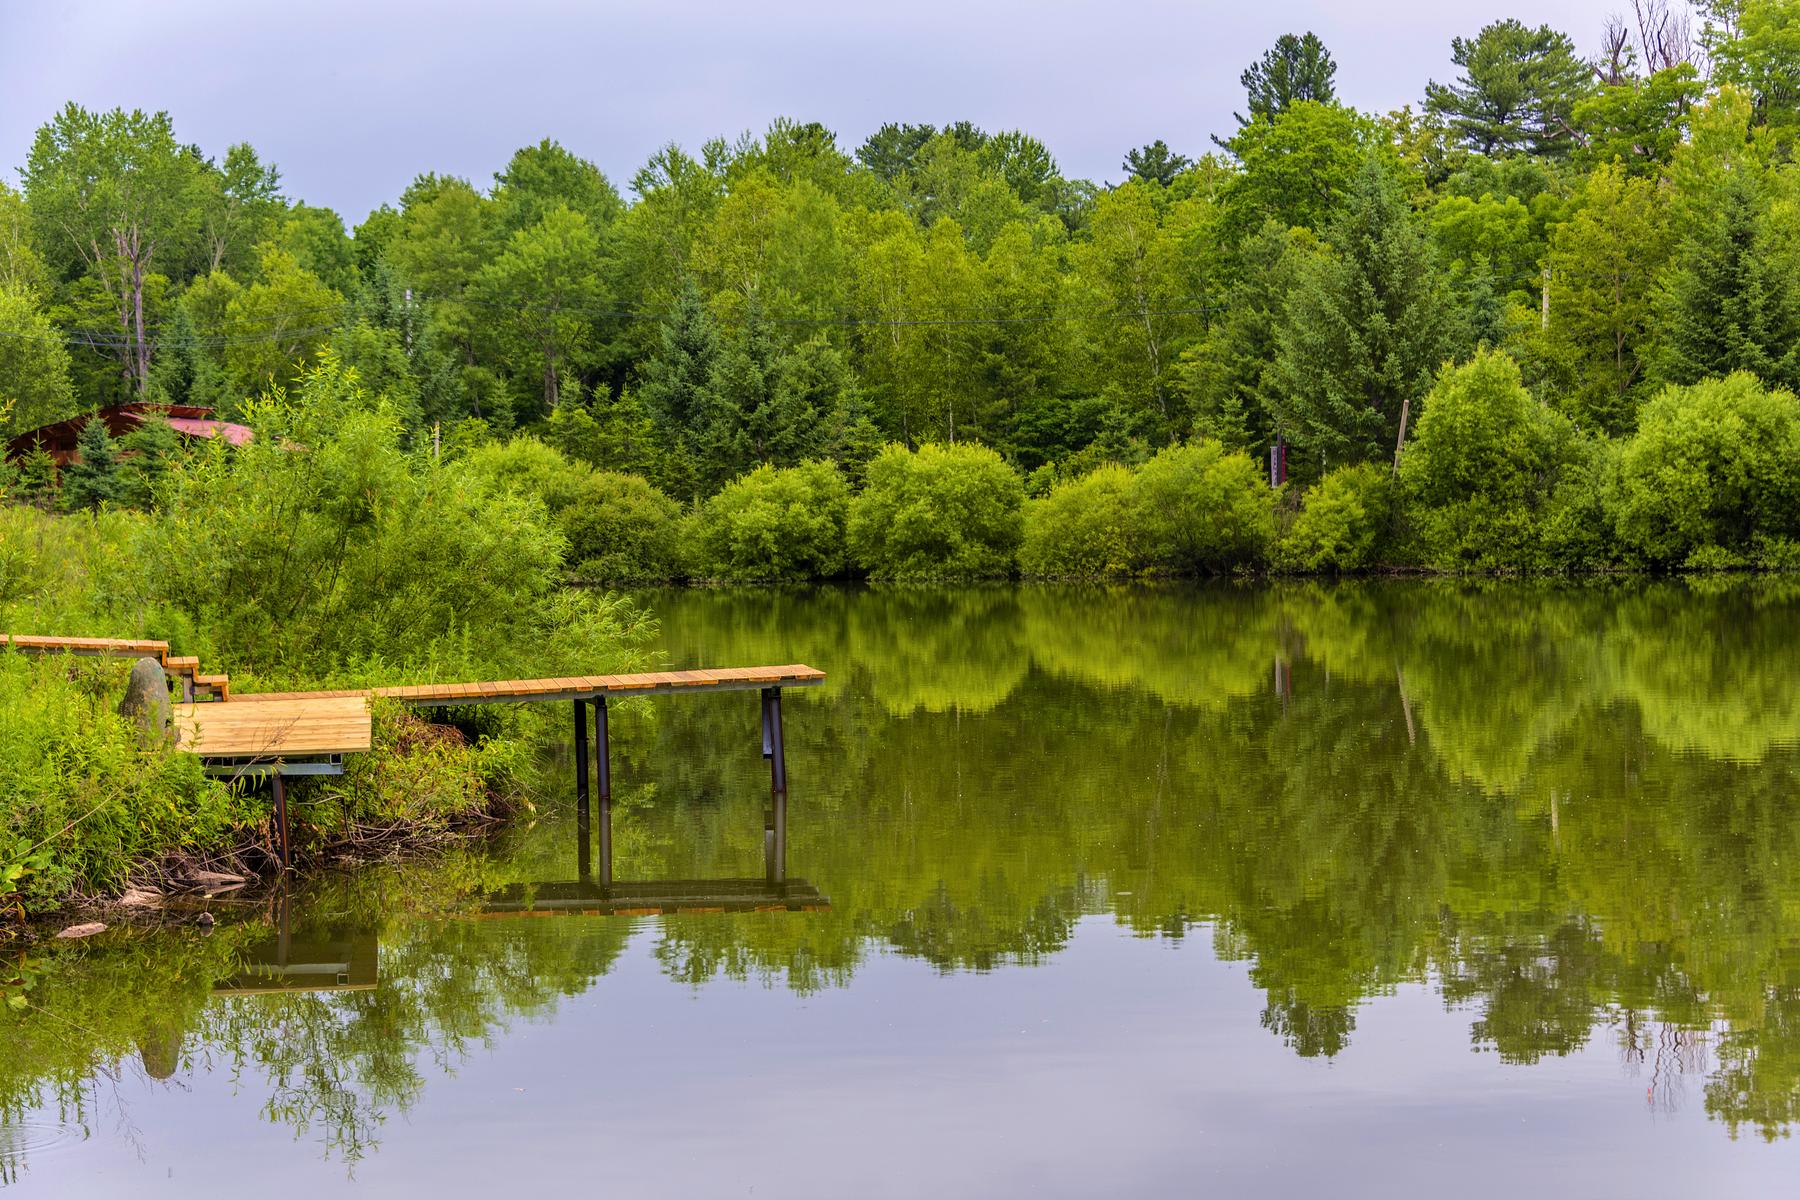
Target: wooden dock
279,729
578,687
279,734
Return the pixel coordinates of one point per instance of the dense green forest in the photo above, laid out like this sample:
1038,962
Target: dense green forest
1547,318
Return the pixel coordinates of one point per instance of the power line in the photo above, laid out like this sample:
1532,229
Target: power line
115,341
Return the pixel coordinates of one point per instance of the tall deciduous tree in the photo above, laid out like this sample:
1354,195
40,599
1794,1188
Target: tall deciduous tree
240,205
540,178
35,388
1604,261
274,326
1366,327
1761,54
116,194
1517,92
22,269
544,298
1296,167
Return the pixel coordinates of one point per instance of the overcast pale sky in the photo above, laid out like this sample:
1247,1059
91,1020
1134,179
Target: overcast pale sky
352,98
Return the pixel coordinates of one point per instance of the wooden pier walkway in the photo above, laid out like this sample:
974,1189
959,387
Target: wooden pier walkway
577,687
280,734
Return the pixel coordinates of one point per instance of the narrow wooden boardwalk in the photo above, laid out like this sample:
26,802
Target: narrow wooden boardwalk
279,734
577,687
183,668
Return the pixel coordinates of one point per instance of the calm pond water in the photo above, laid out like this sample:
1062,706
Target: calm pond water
1368,890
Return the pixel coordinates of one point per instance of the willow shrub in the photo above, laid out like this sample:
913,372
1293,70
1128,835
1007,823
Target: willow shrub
940,512
1712,475
1343,521
622,529
1085,528
1202,509
1480,466
326,548
775,523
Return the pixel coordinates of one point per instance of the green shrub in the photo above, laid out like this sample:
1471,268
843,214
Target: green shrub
82,799
775,523
1711,468
1480,465
323,548
1575,528
1084,528
942,512
1343,521
530,468
1201,508
621,529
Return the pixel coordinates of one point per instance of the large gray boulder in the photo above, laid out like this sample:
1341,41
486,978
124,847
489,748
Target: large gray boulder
147,699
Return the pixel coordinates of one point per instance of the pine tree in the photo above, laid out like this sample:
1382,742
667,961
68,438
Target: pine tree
37,475
185,371
1730,302
150,450
734,434
678,393
624,435
678,381
1365,329
857,440
93,479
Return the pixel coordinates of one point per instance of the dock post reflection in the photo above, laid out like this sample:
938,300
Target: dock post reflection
774,891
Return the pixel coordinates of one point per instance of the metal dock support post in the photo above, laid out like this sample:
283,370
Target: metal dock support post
773,749
603,748
581,753
582,829
281,821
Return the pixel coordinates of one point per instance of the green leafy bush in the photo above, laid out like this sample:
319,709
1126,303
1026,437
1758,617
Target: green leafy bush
1711,469
1202,509
621,529
324,543
1575,528
775,523
941,512
1343,521
82,797
1084,528
530,468
1479,467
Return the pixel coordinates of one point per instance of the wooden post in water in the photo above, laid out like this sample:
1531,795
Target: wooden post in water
775,840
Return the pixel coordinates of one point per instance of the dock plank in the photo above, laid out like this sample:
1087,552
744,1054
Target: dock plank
275,728
578,687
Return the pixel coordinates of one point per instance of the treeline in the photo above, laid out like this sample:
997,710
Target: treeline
1612,234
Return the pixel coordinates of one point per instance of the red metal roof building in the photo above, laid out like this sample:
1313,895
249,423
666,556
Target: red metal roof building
188,421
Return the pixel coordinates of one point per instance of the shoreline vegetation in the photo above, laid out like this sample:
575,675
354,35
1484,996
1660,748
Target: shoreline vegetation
1546,322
